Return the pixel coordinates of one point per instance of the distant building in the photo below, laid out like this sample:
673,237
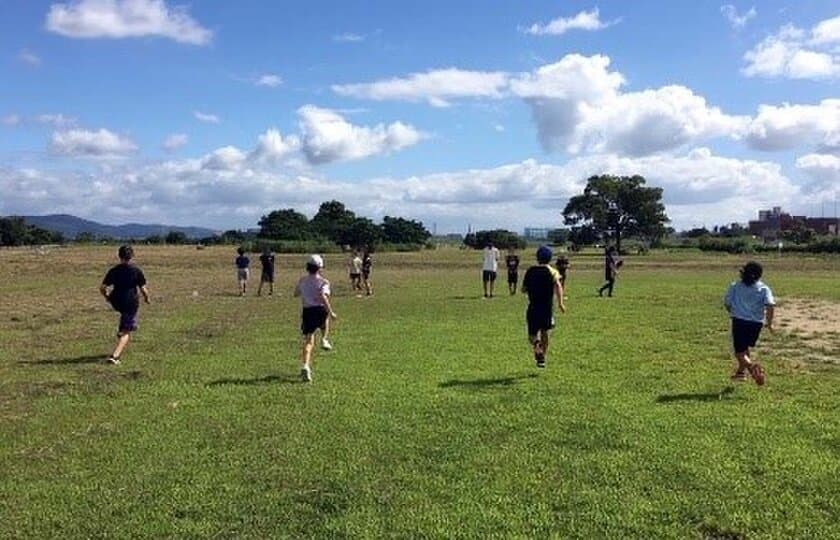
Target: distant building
771,223
536,233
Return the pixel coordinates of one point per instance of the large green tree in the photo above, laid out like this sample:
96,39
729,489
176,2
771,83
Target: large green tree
618,206
332,220
397,230
362,232
286,224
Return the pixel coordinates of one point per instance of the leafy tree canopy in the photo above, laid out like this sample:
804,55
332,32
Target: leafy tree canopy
618,206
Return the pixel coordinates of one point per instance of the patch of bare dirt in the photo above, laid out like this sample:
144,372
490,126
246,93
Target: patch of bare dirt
815,324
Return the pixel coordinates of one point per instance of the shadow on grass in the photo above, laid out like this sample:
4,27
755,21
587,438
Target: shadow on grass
89,359
268,379
466,297
484,383
708,396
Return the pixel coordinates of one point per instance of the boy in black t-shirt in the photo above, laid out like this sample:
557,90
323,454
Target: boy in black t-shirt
512,264
267,274
120,287
542,283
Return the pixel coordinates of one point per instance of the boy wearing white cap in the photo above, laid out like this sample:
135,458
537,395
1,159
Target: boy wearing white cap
314,292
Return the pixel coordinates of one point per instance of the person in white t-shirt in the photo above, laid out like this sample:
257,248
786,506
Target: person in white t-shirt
354,268
489,269
314,292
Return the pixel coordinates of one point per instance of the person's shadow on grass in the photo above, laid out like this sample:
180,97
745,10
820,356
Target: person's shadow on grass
268,379
87,359
724,394
485,383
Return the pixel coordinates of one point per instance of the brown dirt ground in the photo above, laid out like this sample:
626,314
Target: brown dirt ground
815,324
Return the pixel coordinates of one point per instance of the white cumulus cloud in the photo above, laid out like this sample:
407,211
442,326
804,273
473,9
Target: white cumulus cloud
585,20
272,146
735,19
94,144
578,106
207,118
226,188
125,19
789,126
824,170
797,54
175,141
328,137
437,87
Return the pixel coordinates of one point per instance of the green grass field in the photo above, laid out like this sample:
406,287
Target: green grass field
428,419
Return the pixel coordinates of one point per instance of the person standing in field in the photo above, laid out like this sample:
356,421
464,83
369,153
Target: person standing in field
314,292
367,265
243,265
542,284
120,287
354,267
563,265
512,264
489,269
750,304
267,274
611,265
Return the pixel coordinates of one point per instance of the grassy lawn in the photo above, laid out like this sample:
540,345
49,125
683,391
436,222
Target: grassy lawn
428,419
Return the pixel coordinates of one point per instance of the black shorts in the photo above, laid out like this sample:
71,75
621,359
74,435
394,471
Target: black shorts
366,275
539,319
745,334
353,275
488,275
267,277
513,277
313,318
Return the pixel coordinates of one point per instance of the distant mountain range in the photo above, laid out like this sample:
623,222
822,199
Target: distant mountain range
72,226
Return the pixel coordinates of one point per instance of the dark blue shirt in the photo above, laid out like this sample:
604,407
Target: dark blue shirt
243,262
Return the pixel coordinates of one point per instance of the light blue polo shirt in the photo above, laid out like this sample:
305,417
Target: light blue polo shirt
747,302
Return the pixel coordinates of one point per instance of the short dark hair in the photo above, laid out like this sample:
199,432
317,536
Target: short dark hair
240,251
751,272
312,268
126,253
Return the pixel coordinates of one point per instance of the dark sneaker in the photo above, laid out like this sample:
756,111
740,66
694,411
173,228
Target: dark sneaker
112,360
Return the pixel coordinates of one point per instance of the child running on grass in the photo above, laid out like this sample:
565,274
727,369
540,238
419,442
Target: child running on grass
314,292
542,283
120,287
750,303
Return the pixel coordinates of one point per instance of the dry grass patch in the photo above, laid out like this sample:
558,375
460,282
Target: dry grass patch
815,325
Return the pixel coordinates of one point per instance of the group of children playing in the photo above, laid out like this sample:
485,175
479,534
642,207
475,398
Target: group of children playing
749,301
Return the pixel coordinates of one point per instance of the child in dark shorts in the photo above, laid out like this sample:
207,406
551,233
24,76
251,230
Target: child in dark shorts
367,265
541,283
120,287
512,264
314,292
750,303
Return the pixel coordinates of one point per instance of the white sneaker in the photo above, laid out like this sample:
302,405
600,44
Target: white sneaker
326,345
112,360
306,374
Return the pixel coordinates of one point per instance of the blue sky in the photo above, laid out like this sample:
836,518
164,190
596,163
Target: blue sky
487,113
